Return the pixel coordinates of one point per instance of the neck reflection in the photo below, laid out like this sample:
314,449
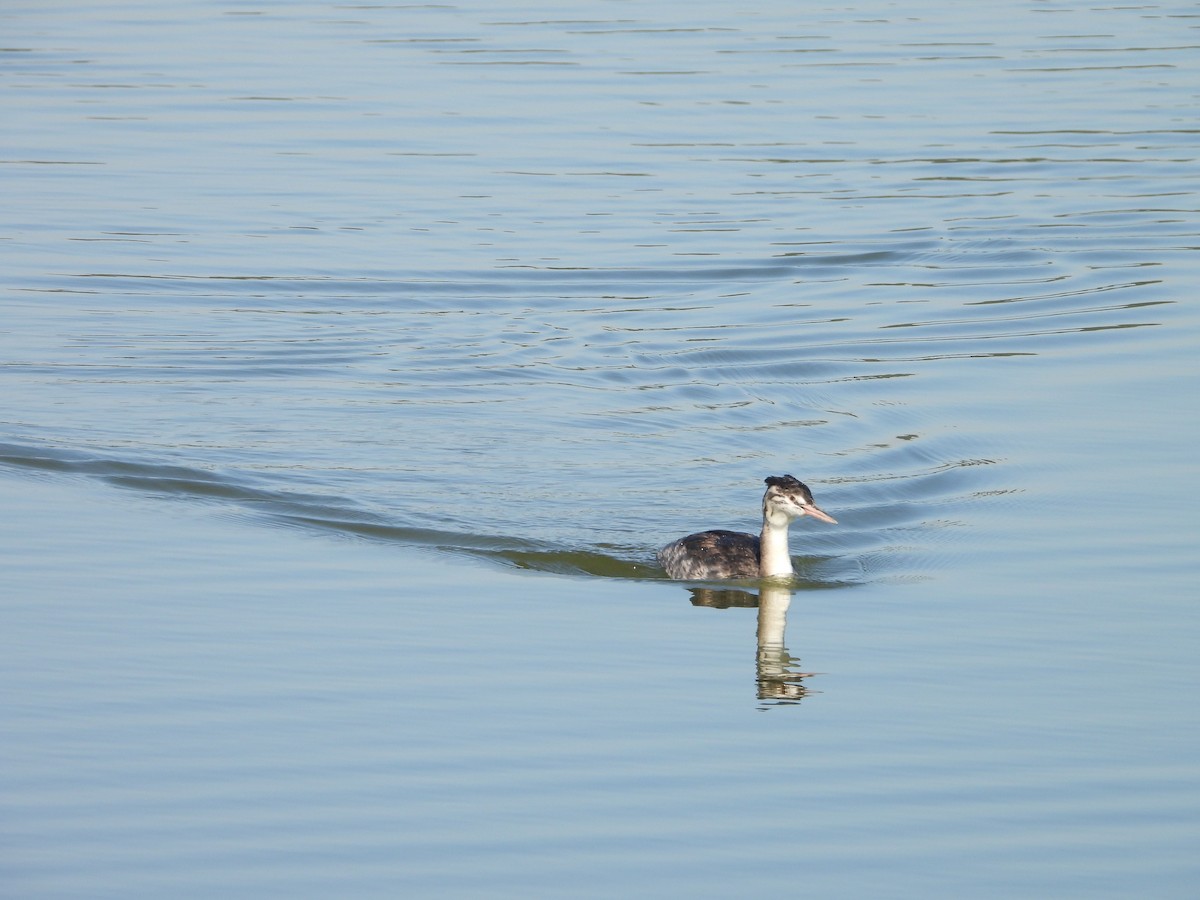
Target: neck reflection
778,681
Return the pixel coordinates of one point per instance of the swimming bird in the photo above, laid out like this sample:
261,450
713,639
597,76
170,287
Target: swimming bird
733,554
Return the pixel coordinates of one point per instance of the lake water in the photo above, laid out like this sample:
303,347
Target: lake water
356,359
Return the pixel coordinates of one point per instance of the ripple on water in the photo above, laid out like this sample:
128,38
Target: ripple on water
593,413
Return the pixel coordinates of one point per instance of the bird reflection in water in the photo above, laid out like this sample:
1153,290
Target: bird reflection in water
778,681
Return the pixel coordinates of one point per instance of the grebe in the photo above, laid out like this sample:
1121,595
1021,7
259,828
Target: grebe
732,554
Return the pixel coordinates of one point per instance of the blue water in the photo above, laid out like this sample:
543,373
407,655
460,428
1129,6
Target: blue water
357,359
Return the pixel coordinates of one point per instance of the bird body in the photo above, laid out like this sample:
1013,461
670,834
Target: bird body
720,554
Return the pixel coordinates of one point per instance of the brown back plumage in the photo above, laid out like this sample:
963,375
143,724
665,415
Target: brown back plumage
712,554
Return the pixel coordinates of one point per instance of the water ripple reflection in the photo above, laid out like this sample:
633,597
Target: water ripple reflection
593,413
568,318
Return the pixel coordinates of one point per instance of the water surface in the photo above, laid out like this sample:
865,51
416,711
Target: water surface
357,359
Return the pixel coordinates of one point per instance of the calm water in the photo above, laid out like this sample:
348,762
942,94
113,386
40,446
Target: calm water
356,359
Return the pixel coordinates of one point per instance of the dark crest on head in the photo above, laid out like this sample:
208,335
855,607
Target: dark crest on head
789,483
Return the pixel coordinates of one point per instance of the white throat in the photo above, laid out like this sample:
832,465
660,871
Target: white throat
776,559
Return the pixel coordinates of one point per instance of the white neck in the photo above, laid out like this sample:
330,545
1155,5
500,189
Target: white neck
776,560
